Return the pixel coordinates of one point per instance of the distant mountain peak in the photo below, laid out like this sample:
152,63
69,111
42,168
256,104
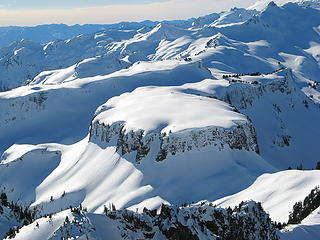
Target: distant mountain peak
164,31
260,5
272,4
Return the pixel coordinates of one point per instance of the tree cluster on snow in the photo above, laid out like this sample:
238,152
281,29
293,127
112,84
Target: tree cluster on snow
247,221
304,208
23,215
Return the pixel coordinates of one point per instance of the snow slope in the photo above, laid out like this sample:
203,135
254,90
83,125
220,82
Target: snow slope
277,192
308,229
149,108
101,65
261,4
116,178
21,61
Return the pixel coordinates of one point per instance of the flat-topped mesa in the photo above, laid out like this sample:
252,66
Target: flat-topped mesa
164,121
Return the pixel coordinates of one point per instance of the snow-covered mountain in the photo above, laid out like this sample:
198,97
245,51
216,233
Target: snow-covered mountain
50,32
114,134
261,4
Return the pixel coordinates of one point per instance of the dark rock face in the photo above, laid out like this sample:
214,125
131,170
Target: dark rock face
241,137
244,94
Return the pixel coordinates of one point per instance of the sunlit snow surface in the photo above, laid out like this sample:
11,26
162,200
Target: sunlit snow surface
277,192
167,81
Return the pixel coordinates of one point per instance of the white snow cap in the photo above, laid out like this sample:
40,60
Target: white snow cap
169,109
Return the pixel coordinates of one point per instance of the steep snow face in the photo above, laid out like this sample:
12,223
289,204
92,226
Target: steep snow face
16,63
7,220
277,192
276,107
221,55
44,163
205,20
275,20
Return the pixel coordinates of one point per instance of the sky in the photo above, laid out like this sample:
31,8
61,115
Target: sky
65,4
36,12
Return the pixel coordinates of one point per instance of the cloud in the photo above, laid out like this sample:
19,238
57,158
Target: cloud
171,9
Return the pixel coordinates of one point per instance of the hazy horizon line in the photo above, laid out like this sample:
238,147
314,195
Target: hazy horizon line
112,14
